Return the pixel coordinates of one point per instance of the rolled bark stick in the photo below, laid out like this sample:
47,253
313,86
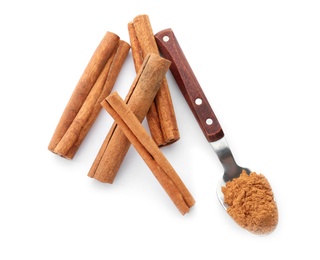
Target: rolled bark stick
70,142
116,65
94,85
141,94
150,152
161,116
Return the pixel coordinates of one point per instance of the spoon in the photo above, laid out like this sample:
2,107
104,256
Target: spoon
200,107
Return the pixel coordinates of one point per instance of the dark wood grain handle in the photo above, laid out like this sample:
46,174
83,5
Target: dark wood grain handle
189,85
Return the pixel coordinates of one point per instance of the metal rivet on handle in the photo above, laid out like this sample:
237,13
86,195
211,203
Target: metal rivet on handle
209,121
165,38
198,101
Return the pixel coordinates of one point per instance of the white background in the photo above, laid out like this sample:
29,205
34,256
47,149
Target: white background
258,63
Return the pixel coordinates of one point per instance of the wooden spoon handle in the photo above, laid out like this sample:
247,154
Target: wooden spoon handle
189,85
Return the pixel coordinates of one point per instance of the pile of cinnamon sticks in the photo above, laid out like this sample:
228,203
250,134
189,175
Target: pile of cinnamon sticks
148,97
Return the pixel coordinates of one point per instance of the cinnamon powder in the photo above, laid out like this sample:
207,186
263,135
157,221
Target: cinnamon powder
251,203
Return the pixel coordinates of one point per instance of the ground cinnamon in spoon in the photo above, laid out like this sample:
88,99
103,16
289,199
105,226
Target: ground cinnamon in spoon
251,203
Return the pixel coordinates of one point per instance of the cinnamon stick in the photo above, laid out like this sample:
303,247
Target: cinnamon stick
141,94
94,85
150,152
161,116
112,75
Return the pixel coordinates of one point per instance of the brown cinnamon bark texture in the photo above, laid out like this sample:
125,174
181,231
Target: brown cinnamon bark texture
150,152
94,85
139,98
161,116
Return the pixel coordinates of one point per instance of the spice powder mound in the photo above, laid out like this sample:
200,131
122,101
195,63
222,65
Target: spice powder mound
251,203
